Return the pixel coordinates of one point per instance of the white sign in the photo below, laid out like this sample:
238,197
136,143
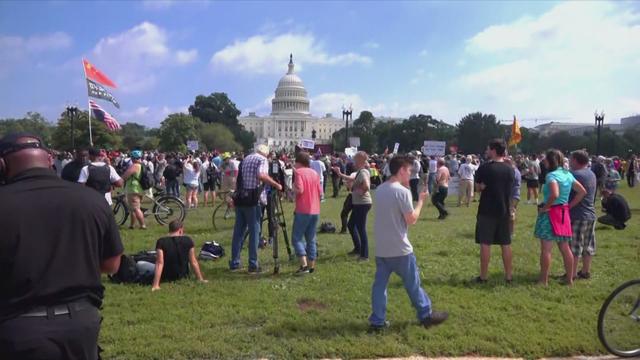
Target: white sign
435,148
350,151
307,144
396,147
192,145
354,141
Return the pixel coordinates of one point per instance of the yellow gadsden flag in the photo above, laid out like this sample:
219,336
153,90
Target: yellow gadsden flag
516,135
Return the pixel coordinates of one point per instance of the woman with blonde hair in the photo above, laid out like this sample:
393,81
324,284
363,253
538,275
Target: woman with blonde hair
554,223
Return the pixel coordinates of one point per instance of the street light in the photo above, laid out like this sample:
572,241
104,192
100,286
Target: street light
599,122
72,111
346,113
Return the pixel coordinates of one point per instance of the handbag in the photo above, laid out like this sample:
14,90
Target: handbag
560,220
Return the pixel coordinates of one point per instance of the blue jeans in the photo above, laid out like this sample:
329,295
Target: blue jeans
173,188
431,181
304,225
358,229
407,269
246,217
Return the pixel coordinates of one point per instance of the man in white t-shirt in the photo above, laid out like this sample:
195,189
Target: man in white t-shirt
100,176
433,169
318,166
394,253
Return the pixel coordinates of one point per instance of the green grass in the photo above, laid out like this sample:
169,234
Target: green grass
237,315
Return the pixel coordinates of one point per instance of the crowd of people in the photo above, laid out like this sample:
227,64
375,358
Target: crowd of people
40,201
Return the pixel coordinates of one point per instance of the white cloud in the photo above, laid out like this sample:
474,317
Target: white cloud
424,52
371,45
16,49
185,57
150,116
134,56
158,4
263,54
574,57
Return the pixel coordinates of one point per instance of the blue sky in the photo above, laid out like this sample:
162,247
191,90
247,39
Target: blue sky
538,60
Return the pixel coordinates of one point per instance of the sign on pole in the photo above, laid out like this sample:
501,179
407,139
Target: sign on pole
354,141
307,144
192,145
396,147
434,148
350,151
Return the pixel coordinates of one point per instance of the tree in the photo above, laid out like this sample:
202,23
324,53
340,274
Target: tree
175,130
218,108
475,130
33,123
133,135
217,136
102,137
363,128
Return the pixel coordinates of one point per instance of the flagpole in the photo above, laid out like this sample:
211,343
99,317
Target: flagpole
88,104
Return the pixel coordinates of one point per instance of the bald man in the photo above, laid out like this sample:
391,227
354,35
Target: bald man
57,237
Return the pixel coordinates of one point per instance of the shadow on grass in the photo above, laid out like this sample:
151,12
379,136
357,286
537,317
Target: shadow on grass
303,330
494,281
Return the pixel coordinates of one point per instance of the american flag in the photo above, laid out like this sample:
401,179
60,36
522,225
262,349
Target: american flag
102,115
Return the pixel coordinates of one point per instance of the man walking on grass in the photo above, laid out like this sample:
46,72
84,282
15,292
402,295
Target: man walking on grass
394,253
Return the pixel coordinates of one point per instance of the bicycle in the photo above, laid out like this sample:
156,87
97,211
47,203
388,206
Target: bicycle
224,215
619,320
166,208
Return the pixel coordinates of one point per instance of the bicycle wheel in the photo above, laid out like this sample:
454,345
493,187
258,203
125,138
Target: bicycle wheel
224,217
120,211
619,320
168,208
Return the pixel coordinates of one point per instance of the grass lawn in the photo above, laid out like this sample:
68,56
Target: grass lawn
324,314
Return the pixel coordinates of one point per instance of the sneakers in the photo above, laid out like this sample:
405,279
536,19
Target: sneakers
255,271
311,270
584,276
437,317
302,270
379,328
479,280
354,252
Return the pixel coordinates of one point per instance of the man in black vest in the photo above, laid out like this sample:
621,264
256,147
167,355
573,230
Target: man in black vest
71,171
57,237
100,176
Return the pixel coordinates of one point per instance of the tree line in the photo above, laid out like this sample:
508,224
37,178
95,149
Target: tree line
213,121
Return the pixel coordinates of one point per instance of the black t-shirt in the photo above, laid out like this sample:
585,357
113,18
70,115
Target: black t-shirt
176,256
617,207
71,171
498,179
55,234
170,172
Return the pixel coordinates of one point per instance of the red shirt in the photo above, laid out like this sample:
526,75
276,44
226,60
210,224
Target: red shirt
307,183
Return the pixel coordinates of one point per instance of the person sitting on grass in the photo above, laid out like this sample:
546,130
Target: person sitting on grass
174,254
616,209
394,253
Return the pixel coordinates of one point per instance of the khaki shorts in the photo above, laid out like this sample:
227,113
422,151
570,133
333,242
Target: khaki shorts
134,201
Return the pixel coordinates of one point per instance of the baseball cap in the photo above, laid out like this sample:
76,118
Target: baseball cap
9,144
136,154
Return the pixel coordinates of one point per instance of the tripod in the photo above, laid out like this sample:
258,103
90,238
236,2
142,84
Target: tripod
276,216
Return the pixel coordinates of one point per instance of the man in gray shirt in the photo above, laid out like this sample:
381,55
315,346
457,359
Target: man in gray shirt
394,253
583,215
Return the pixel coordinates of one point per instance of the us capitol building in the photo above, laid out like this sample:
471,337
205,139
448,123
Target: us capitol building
290,119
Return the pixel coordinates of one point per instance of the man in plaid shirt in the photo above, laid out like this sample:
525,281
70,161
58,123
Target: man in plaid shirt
255,171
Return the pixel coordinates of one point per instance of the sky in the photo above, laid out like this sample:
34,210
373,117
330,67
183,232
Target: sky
541,61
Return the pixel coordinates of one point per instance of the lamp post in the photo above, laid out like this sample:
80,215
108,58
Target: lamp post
346,113
72,111
599,122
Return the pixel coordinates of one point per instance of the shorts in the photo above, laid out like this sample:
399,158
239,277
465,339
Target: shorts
532,184
584,237
209,186
134,201
492,230
191,186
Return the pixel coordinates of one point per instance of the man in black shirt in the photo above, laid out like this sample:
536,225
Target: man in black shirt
617,210
174,254
57,237
71,171
170,174
495,179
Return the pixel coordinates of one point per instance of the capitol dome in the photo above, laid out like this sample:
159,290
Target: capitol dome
290,95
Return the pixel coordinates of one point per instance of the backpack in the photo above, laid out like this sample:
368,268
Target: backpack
147,179
327,227
146,255
127,272
211,250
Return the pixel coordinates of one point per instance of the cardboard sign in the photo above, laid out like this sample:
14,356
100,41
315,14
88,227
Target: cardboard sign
307,144
435,148
192,145
396,147
350,151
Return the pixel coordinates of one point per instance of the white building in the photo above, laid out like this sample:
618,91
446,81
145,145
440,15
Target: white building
290,119
575,129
